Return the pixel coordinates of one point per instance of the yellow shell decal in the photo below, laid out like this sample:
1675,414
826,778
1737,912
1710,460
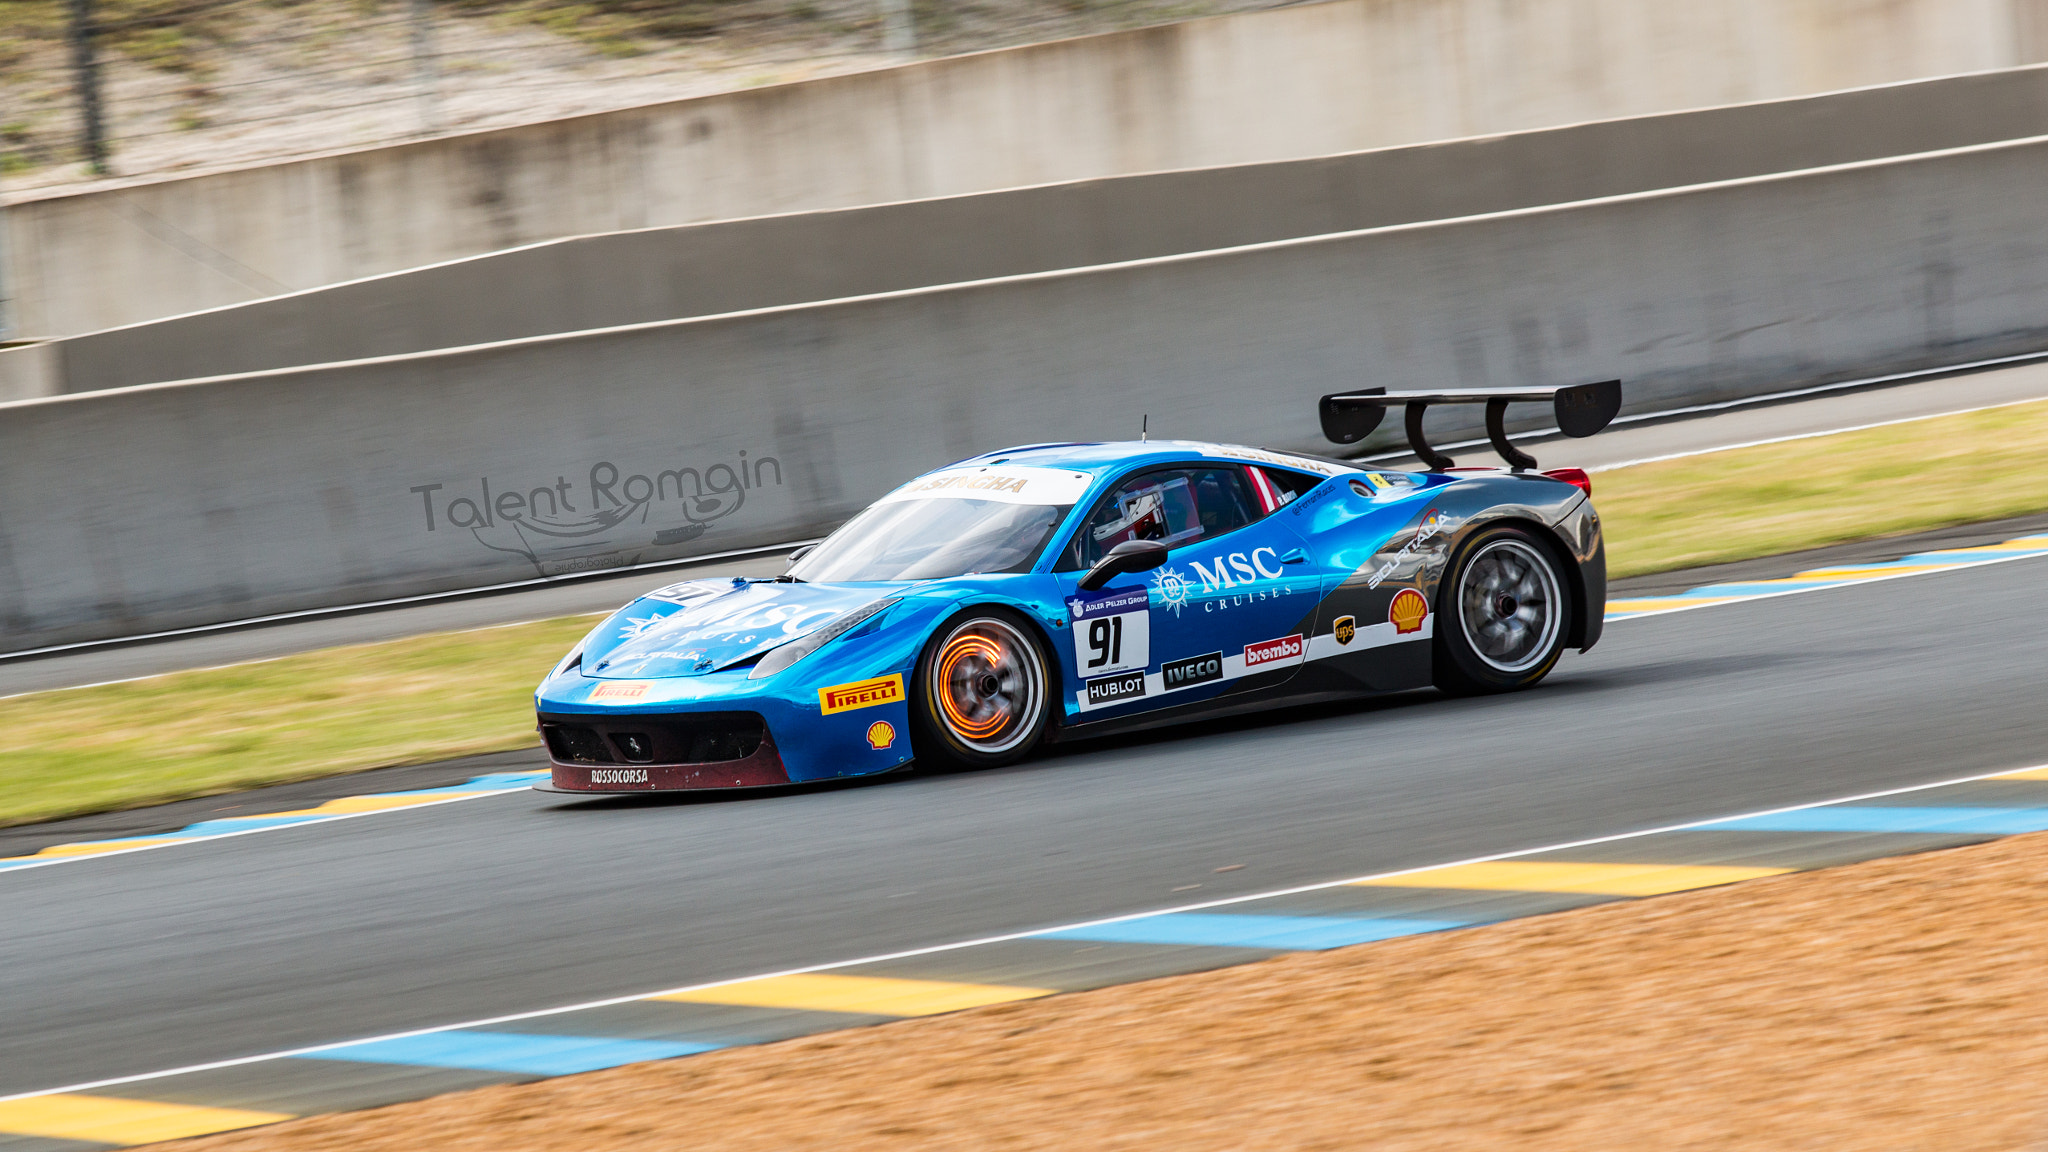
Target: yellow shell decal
1407,611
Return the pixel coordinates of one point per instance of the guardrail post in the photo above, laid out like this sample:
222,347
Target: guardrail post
426,72
899,31
85,66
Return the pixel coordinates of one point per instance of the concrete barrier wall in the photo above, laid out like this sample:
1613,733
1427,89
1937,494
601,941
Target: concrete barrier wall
704,269
1304,81
168,505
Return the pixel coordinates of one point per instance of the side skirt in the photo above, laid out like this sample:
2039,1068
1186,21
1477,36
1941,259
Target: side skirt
1235,705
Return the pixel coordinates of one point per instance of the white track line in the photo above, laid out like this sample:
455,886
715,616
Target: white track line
1007,936
1969,368
1855,583
1812,435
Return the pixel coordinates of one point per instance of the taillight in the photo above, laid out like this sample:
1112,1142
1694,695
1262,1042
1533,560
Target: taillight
1576,477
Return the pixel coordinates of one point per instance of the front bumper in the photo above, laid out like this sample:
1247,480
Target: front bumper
798,741
628,752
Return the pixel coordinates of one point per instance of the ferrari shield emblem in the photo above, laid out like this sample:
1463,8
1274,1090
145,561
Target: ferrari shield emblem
1346,627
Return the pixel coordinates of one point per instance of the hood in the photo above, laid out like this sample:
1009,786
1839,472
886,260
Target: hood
700,626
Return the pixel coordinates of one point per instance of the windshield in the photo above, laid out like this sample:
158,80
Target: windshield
933,539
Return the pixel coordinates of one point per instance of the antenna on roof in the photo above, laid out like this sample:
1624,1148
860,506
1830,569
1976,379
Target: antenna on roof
1145,430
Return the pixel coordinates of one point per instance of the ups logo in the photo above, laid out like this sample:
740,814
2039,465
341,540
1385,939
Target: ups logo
1346,627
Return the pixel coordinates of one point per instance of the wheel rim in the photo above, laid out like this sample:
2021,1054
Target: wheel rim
988,685
1508,605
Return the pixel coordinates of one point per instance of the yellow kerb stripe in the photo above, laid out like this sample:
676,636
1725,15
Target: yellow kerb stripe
356,804
871,995
91,849
110,1120
1660,603
2027,774
1593,879
1859,573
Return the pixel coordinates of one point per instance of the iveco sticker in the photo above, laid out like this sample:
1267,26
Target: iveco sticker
1345,629
1191,671
1407,611
1112,632
1110,689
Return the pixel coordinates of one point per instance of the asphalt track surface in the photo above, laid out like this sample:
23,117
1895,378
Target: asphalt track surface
130,964
1620,444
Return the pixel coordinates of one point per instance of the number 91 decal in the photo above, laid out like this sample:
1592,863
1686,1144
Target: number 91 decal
1112,632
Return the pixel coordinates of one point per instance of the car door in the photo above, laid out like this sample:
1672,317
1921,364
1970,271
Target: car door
1230,610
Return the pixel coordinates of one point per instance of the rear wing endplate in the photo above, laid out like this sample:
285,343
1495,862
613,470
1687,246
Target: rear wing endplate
1582,409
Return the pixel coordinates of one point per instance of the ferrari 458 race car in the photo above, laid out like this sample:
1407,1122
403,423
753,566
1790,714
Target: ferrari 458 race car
1058,591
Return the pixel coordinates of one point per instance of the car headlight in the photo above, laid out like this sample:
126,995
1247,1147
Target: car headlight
779,658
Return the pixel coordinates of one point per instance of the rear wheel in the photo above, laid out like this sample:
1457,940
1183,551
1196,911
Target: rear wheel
1503,613
982,693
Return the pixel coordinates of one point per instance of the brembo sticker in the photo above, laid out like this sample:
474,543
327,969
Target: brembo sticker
1285,650
860,694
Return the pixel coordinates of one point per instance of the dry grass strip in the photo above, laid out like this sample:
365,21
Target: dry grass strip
1896,1004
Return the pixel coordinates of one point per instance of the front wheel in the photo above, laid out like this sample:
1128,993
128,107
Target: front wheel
982,695
1503,613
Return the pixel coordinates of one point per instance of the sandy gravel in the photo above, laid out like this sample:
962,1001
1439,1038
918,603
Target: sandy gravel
1898,1004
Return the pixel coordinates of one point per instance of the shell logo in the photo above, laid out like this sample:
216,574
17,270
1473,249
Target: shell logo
1407,611
881,734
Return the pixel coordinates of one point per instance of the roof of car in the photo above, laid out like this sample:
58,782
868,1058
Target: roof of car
1115,455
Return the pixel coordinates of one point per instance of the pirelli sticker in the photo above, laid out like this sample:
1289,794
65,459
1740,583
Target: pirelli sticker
621,690
860,694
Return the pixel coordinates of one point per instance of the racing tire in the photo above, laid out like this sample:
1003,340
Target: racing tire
982,695
1504,611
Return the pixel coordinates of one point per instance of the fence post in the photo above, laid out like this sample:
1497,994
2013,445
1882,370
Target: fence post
899,32
85,66
6,271
426,73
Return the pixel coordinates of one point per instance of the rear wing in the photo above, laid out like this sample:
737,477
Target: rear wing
1582,409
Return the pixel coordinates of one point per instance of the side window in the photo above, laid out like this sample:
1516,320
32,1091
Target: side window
1276,488
1174,506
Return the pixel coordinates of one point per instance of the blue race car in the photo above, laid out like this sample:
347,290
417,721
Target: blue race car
1059,591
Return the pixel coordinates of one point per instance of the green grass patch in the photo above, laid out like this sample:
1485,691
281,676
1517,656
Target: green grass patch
457,694
218,730
1891,481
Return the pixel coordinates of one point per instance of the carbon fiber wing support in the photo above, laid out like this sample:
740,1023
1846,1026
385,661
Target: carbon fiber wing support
1582,410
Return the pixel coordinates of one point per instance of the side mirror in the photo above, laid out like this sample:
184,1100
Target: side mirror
1129,556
